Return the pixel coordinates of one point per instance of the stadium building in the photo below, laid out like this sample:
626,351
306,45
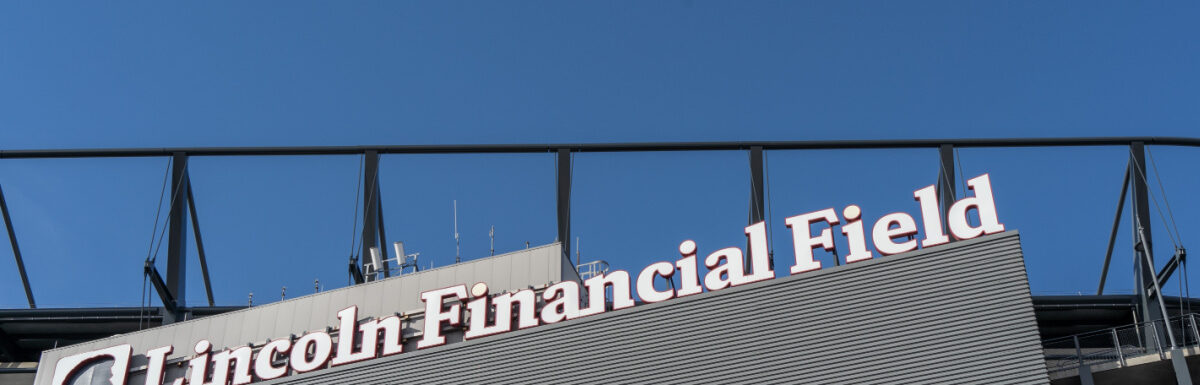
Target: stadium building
933,293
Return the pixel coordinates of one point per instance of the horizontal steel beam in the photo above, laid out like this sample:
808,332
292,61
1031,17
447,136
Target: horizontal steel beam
99,314
601,147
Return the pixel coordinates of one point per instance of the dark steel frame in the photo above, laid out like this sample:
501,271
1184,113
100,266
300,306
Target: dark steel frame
601,147
373,232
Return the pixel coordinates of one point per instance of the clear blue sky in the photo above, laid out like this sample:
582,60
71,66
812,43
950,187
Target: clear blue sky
90,75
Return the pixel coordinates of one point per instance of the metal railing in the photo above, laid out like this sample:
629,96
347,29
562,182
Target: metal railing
592,269
1119,344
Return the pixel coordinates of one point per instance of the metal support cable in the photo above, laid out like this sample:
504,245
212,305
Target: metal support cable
945,174
1153,278
157,215
962,176
770,207
1153,199
1187,286
1181,325
158,212
1162,190
369,201
754,203
945,191
357,193
758,206
174,196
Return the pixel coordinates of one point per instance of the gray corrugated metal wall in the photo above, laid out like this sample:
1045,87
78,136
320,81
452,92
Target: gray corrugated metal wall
959,313
509,271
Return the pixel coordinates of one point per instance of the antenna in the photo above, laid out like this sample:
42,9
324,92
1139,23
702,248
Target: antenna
316,285
457,259
399,247
492,236
283,293
576,251
376,261
405,260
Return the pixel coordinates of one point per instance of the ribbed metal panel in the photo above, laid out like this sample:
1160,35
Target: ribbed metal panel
958,313
377,299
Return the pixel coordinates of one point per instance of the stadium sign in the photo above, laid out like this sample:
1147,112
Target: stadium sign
444,308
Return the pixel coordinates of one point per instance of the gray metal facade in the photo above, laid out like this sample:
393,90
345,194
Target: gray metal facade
521,269
957,313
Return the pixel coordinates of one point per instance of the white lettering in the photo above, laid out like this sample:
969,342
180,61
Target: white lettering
619,281
689,275
158,360
348,320
804,242
853,229
722,275
760,255
562,302
930,217
883,233
68,365
645,282
984,204
435,315
264,363
321,345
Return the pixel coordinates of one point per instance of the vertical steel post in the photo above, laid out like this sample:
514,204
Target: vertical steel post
1157,341
12,240
1162,305
563,199
757,203
1117,345
177,227
1143,263
946,188
370,210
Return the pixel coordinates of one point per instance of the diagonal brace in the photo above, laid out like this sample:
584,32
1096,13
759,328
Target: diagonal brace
199,242
12,239
161,287
1112,237
1169,269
